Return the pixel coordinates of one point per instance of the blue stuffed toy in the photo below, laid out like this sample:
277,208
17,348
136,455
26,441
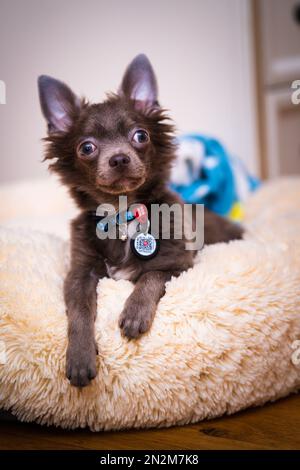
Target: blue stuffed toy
205,173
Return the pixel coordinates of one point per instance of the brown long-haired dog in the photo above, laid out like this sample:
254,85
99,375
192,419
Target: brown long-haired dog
123,146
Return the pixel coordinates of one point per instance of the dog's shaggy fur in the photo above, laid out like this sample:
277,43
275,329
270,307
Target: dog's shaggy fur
123,146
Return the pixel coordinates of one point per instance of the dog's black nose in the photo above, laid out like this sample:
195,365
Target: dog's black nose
119,160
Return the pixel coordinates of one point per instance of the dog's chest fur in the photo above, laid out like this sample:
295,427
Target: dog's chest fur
124,269
119,259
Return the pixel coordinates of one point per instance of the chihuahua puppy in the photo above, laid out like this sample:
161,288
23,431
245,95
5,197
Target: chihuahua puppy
123,146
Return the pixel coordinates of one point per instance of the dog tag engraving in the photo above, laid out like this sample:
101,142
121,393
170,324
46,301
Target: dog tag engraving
144,245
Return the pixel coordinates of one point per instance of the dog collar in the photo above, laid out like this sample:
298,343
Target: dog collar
139,213
143,245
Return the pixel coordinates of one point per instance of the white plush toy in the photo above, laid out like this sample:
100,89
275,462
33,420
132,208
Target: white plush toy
205,173
190,156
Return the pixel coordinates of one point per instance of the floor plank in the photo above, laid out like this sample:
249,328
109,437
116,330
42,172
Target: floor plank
274,426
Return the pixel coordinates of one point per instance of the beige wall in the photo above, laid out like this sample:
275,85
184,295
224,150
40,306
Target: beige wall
201,50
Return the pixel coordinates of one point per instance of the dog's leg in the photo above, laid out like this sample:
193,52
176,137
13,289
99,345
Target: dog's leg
140,307
81,301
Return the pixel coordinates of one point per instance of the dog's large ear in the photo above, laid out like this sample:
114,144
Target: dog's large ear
139,83
58,103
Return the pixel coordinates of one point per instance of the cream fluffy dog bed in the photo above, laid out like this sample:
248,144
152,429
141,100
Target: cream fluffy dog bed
223,339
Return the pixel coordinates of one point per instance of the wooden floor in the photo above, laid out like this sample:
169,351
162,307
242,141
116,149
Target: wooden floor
275,426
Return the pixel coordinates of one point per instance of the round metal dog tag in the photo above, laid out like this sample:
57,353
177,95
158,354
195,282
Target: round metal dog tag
144,245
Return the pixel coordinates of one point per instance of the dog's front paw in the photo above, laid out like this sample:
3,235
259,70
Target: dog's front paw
136,318
81,365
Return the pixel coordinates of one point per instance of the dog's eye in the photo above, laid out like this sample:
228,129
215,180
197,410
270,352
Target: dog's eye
140,137
87,149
